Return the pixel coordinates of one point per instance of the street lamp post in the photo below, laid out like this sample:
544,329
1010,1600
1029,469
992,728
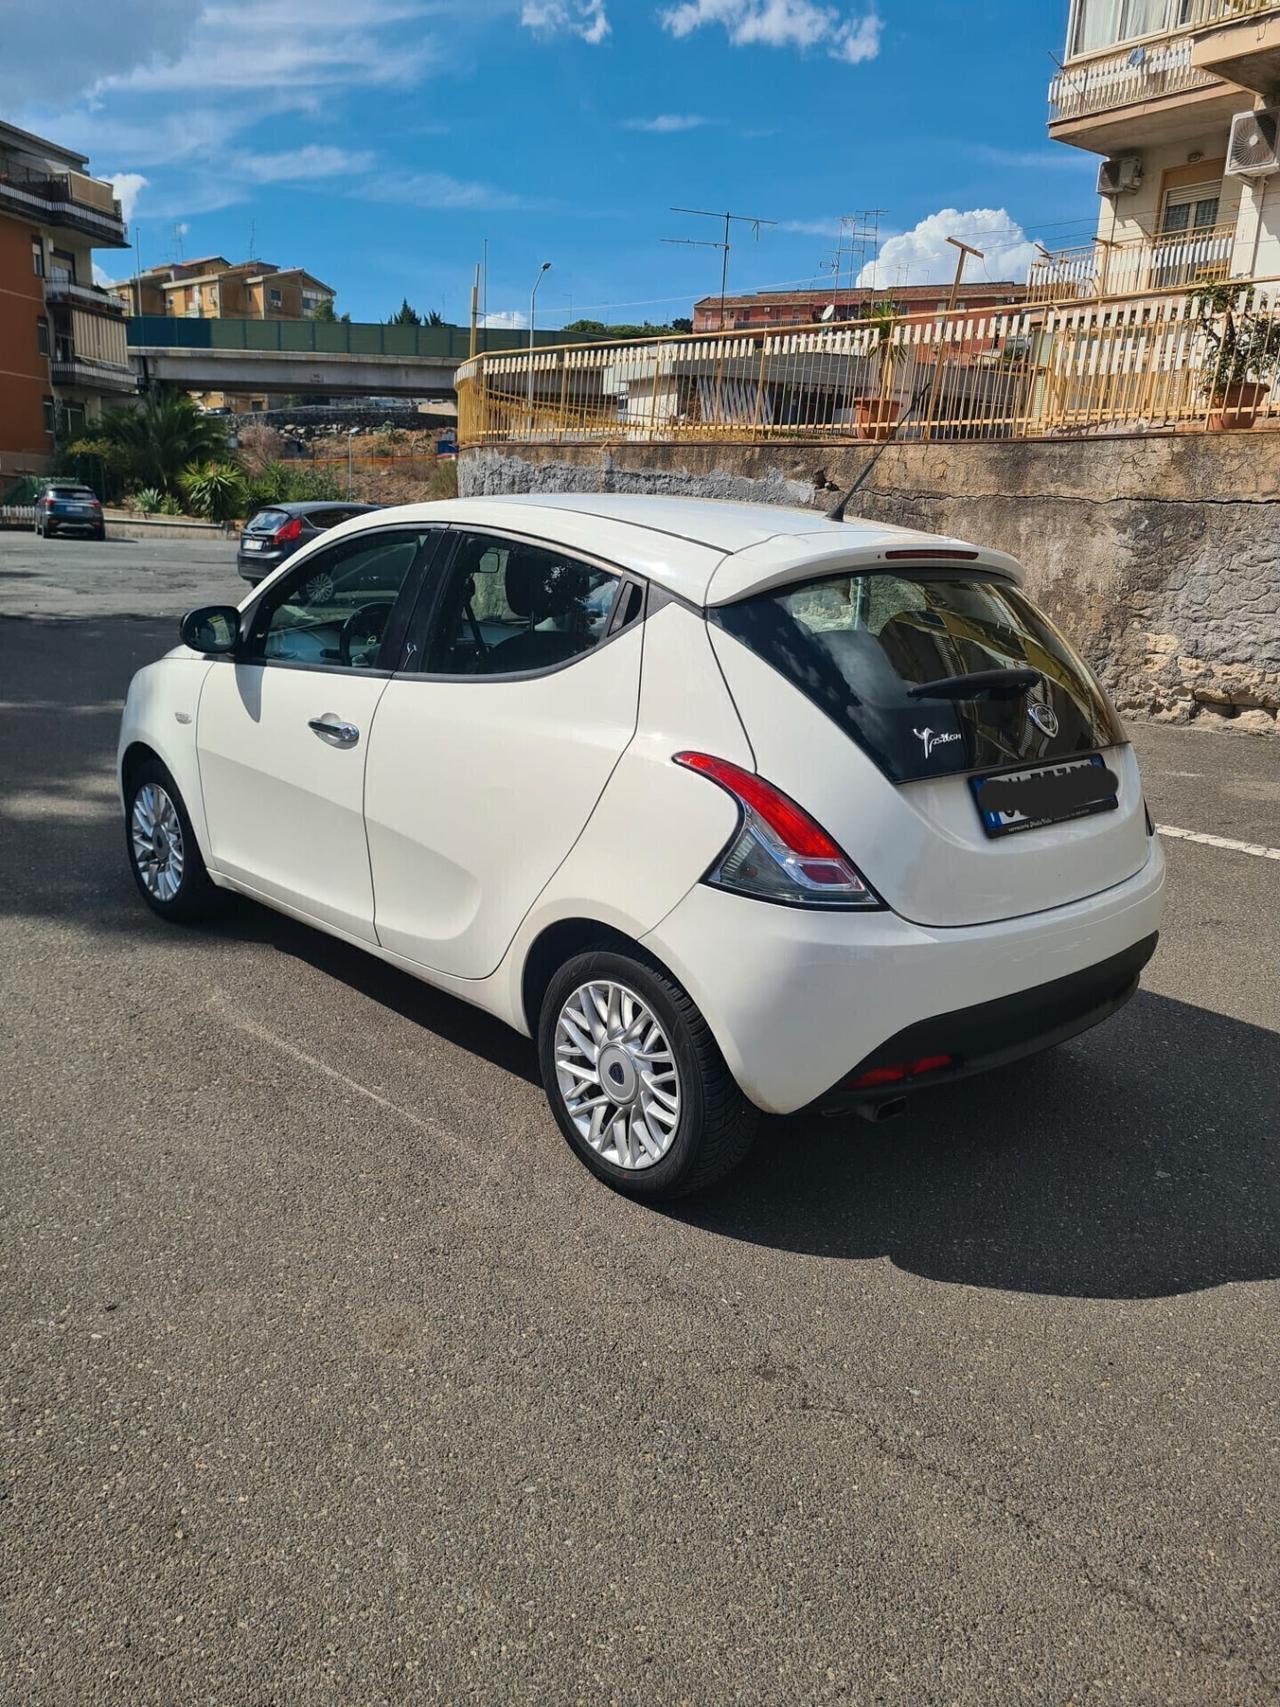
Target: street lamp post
351,433
533,298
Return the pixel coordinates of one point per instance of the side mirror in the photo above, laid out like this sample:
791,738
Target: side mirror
211,629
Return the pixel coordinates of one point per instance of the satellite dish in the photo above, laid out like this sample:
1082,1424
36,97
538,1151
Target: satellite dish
829,312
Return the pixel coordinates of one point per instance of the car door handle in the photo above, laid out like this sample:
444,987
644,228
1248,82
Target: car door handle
332,729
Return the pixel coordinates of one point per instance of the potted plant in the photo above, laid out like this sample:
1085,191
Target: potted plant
1242,347
875,416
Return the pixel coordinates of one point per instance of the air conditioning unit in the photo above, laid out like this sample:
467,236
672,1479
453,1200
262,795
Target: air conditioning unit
1254,149
1120,176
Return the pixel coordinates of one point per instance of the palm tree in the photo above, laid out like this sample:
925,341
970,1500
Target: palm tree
163,437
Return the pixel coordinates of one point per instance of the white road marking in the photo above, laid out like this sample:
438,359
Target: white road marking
1254,848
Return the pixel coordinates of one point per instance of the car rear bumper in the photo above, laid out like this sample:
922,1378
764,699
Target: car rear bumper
801,1002
255,566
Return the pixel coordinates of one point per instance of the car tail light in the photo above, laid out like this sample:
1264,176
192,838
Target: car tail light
292,529
899,1073
778,852
48,503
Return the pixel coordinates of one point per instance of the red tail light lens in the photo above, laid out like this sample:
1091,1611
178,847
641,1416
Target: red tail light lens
778,853
899,1073
292,529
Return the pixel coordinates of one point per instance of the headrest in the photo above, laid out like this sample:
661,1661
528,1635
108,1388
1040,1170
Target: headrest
537,589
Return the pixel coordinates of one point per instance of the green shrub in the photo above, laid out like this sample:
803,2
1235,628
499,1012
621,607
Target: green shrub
307,483
442,482
149,500
215,491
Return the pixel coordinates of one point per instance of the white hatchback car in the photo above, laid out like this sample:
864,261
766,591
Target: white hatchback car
731,807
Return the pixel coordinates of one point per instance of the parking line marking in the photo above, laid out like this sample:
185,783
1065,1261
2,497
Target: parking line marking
1253,848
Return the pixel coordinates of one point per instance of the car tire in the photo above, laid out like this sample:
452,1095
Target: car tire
101,533
157,826
713,1124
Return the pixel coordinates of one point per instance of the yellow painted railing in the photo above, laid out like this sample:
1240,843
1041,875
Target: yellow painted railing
1100,268
1121,364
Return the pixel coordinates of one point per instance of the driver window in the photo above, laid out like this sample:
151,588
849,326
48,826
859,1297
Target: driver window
510,608
334,610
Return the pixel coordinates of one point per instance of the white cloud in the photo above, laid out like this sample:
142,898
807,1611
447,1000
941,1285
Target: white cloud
510,320
128,186
102,278
666,124
923,255
292,45
1039,159
293,165
811,227
802,24
586,18
437,190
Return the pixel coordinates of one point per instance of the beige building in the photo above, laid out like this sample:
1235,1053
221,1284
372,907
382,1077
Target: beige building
1152,87
213,288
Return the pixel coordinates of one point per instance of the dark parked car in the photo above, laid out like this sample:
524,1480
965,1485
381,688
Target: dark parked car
277,531
64,507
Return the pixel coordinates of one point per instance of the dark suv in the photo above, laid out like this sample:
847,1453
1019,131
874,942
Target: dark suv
64,507
277,531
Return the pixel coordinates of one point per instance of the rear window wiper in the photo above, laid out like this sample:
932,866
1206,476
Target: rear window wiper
978,684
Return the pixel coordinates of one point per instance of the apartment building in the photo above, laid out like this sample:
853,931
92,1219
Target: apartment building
62,339
764,308
213,288
1152,87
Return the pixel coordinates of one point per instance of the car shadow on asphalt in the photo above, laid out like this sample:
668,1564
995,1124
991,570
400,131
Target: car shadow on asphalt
1139,1161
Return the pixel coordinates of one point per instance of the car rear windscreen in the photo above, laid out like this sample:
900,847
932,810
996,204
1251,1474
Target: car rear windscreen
929,672
267,521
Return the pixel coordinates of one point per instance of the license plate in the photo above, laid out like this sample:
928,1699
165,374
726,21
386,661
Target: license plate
252,544
1049,794
78,509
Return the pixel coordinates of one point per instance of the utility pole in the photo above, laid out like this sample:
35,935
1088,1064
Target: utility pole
722,245
475,310
965,251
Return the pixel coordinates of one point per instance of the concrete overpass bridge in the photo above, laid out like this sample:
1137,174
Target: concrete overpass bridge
308,357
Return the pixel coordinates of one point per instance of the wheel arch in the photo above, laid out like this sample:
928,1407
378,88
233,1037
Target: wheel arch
560,941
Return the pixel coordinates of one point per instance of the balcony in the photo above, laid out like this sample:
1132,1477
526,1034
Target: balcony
1183,76
63,198
83,373
1179,259
62,293
1243,46
93,354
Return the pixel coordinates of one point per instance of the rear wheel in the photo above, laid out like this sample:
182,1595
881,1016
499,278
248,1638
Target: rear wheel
635,1079
164,857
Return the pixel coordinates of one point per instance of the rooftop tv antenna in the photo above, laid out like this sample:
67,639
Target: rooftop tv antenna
857,248
722,245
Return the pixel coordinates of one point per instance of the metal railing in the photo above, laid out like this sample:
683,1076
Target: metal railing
1133,74
1140,68
331,337
1117,365
1102,268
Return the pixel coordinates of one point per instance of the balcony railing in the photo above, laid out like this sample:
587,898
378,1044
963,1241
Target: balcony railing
1179,18
1136,74
63,293
1169,261
64,198
1132,364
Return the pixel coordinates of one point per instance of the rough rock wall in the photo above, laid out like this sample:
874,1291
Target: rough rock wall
1159,555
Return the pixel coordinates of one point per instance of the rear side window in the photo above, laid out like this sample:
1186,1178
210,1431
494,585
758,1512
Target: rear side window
880,654
509,608
267,521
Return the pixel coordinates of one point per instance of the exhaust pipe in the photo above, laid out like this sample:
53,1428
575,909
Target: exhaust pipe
876,1112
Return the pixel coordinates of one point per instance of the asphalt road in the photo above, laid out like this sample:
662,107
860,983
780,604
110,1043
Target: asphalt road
332,1380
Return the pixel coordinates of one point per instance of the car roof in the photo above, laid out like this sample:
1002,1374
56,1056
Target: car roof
307,506
708,551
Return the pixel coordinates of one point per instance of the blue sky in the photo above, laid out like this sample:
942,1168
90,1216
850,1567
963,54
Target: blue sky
380,142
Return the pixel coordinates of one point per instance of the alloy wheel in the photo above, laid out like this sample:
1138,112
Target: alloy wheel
156,834
617,1074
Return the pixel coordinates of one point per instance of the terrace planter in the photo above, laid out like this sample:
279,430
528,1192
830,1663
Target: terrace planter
875,417
1237,405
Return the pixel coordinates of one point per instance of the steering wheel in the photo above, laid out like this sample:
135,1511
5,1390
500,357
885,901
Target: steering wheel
364,629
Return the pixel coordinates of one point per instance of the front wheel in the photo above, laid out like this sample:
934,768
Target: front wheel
164,856
635,1079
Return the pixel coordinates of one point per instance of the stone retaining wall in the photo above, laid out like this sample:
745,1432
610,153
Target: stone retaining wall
1160,556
